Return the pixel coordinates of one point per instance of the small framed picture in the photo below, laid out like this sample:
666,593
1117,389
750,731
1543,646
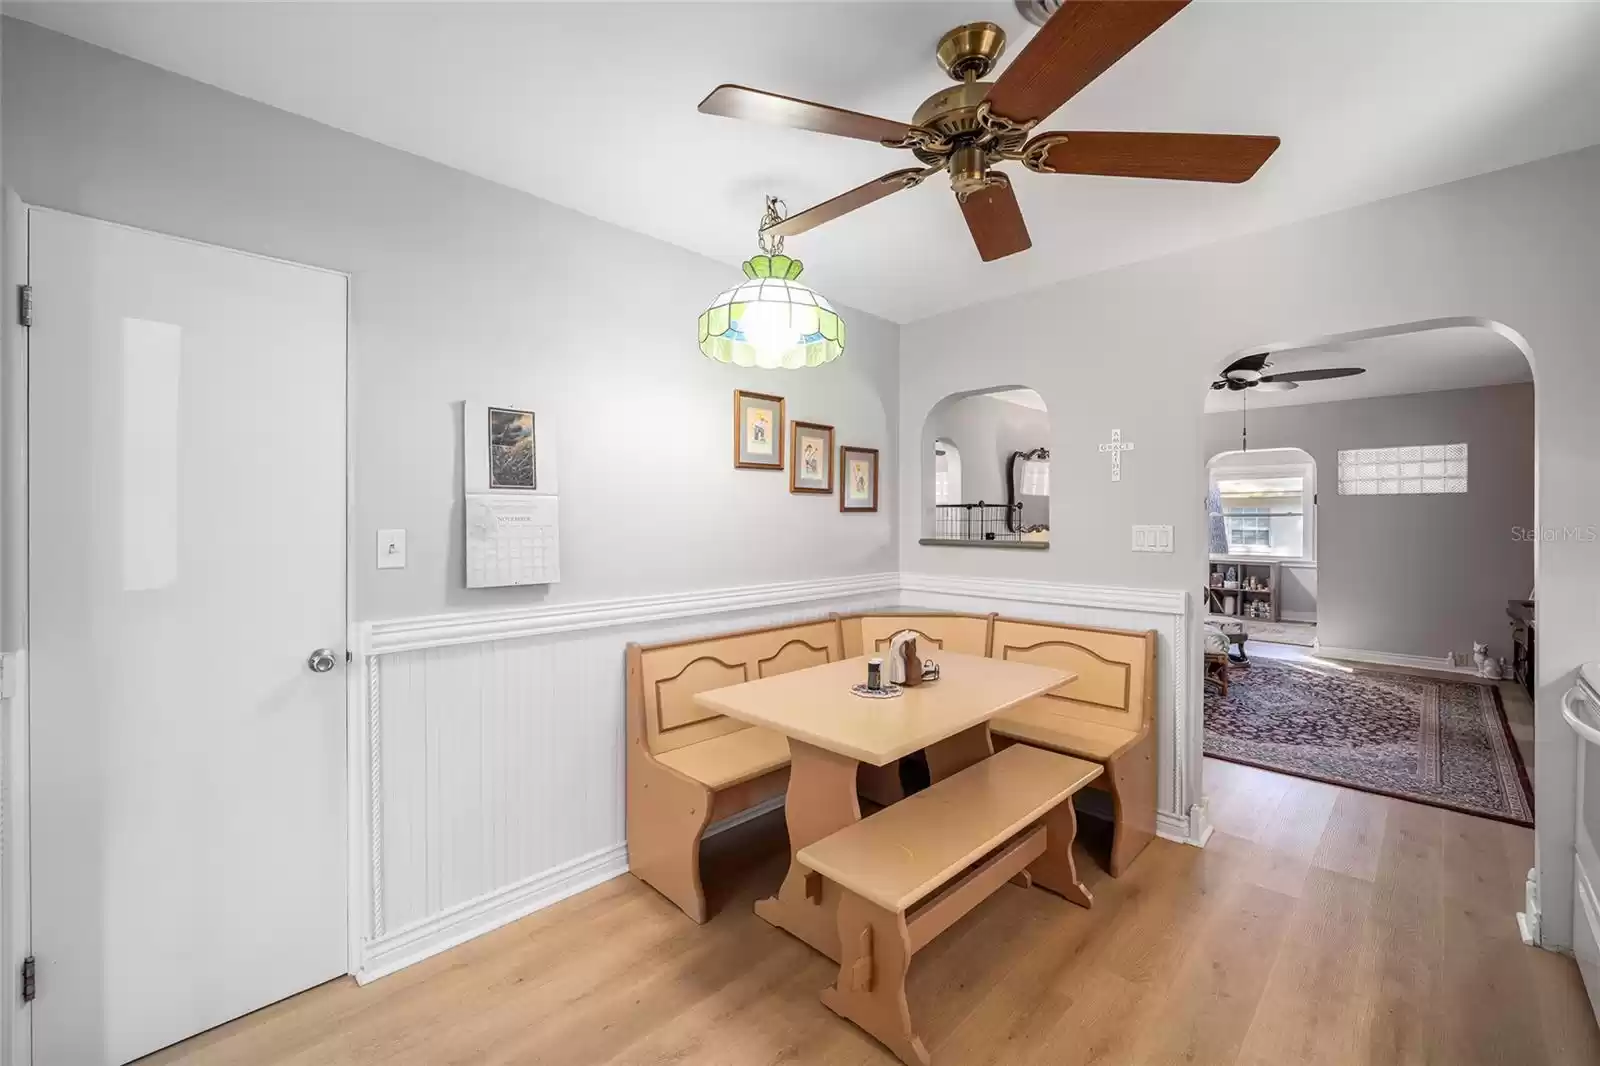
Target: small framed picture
513,459
858,479
757,431
507,448
811,466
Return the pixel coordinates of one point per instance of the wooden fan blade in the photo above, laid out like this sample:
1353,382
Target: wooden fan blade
996,222
1175,156
1317,375
756,105
1079,42
846,202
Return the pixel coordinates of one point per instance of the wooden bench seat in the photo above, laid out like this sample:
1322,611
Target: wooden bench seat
688,766
1106,714
1047,727
910,871
731,759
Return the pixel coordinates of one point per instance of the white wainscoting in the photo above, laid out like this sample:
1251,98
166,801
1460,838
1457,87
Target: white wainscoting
1180,808
488,760
491,765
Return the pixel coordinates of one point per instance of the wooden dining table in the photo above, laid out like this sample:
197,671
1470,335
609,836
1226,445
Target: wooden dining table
832,731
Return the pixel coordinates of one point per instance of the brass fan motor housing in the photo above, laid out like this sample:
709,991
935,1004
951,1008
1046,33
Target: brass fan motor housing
966,53
970,52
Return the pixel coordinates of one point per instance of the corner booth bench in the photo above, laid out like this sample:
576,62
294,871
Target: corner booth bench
688,766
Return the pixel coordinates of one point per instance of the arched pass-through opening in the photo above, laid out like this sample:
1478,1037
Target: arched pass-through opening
1409,546
986,470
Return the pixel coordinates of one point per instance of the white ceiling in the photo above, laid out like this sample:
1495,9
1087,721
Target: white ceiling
593,106
1462,357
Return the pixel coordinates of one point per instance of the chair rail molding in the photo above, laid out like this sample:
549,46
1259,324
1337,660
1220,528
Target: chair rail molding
470,627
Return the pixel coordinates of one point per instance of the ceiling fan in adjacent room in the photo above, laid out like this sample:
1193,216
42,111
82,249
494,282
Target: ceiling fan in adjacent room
971,128
1249,373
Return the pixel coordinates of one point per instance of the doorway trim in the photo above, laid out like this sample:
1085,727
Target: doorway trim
16,1021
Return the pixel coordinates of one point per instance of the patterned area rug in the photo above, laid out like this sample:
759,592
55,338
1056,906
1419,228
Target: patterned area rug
1445,743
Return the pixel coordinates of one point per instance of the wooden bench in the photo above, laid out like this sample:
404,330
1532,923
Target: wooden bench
910,871
1106,715
688,767
869,634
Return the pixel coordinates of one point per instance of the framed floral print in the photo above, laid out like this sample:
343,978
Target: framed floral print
757,431
858,479
811,458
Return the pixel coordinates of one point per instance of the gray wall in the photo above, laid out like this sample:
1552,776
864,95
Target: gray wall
1517,248
1413,575
987,431
463,288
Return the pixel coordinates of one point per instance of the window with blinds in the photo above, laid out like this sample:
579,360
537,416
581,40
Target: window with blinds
1409,471
1264,515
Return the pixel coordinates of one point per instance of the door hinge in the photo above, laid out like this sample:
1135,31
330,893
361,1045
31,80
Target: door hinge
25,305
28,987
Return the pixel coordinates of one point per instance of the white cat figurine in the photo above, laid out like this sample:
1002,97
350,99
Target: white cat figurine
1487,667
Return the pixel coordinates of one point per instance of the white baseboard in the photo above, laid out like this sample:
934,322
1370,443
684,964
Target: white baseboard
1304,617
1389,658
464,921
1194,830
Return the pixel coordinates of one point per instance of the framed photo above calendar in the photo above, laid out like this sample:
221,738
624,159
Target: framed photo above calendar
510,506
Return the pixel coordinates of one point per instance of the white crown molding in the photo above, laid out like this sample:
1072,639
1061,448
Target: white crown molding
470,627
1103,597
461,923
1385,658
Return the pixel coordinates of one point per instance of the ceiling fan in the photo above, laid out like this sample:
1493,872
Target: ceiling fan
1247,373
971,128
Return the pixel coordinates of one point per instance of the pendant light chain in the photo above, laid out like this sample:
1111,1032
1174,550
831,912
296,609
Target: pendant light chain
777,211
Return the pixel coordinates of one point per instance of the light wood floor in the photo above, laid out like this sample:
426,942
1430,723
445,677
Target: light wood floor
1320,926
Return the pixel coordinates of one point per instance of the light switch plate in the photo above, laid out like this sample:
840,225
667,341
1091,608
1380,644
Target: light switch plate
391,549
1152,538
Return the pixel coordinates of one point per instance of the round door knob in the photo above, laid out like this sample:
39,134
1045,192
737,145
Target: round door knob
321,660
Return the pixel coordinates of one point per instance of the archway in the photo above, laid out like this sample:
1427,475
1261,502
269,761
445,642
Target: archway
1420,539
986,470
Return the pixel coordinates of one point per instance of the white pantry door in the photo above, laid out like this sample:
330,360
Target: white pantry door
186,555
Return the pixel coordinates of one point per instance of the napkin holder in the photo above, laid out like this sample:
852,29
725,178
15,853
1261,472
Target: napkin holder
905,665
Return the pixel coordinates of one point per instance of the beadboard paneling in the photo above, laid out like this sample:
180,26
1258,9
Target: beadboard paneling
498,764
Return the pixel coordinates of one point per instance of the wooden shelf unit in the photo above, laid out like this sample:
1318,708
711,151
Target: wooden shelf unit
1265,572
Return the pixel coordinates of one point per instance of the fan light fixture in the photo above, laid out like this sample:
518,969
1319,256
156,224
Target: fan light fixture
770,320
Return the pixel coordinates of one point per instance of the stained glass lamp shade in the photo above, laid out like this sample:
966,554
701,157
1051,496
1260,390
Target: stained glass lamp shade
772,321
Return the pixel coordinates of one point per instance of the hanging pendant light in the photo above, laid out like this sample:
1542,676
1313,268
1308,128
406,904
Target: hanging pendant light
770,320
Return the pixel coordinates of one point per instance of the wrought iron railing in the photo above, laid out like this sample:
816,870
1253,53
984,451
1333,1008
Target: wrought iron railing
976,521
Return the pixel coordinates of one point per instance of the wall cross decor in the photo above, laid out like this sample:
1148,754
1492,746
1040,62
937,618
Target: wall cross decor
1116,447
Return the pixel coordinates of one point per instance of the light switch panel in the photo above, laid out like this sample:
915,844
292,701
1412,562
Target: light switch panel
391,549
1152,538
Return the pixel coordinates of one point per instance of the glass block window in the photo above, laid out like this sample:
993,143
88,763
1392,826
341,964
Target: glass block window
1411,471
